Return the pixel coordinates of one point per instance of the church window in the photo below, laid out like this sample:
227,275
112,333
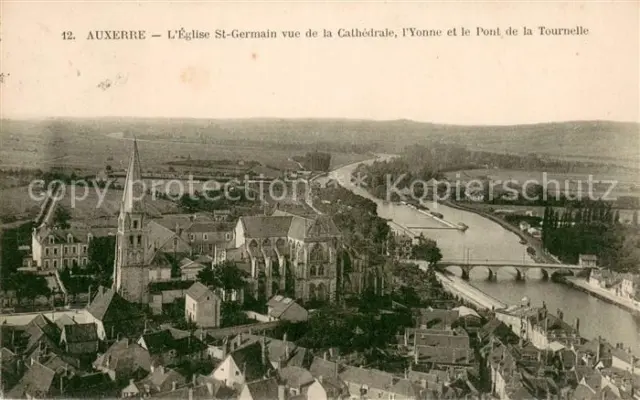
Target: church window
321,270
317,253
139,240
266,242
135,224
131,240
312,270
253,244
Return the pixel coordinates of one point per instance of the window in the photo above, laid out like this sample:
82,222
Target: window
84,261
192,237
50,239
321,270
46,251
55,263
227,236
46,263
84,249
73,249
205,236
312,270
66,249
65,262
140,240
55,251
135,224
131,240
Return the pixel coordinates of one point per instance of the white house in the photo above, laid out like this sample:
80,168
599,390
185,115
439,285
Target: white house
202,306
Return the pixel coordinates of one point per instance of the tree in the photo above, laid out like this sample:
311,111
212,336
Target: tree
61,218
426,250
231,314
634,219
225,275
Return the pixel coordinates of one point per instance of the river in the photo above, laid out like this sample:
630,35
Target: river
486,240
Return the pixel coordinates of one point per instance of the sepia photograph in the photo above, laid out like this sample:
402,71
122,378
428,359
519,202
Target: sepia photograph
320,200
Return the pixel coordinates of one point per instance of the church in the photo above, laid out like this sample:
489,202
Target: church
282,253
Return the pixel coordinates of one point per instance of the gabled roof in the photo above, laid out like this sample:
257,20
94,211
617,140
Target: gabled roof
124,355
295,377
38,382
64,320
79,333
265,227
109,306
249,360
266,389
165,340
280,305
198,291
371,377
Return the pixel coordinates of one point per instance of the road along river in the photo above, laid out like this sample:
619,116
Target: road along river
486,240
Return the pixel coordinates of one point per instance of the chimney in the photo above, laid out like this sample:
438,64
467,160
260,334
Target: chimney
406,374
281,393
578,325
598,350
173,386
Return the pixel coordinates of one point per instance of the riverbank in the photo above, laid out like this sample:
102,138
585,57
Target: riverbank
540,256
601,294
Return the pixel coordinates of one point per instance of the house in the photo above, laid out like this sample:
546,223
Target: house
170,347
279,353
165,293
202,306
189,269
605,279
159,381
266,389
54,248
114,316
295,379
12,369
124,360
39,382
524,226
42,336
376,384
80,338
246,364
588,260
430,318
327,374
285,309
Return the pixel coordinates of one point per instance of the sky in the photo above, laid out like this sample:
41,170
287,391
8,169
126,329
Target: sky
456,80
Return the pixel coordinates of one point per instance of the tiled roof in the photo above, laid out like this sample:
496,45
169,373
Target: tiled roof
38,382
124,355
110,306
445,355
249,359
79,333
197,291
372,377
436,318
165,340
206,227
295,377
64,320
266,389
264,227
157,287
280,305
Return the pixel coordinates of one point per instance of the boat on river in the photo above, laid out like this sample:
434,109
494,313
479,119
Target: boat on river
462,226
522,241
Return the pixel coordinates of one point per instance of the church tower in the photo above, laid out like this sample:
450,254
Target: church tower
131,272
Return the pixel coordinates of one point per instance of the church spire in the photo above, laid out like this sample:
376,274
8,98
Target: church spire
133,187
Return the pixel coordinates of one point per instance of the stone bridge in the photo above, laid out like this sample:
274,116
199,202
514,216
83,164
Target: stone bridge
521,267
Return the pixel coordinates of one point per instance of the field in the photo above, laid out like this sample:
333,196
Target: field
16,203
626,184
625,215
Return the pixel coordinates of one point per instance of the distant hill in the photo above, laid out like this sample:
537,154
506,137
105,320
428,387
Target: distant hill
602,141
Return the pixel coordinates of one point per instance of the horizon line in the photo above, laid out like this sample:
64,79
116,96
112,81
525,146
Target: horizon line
355,119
